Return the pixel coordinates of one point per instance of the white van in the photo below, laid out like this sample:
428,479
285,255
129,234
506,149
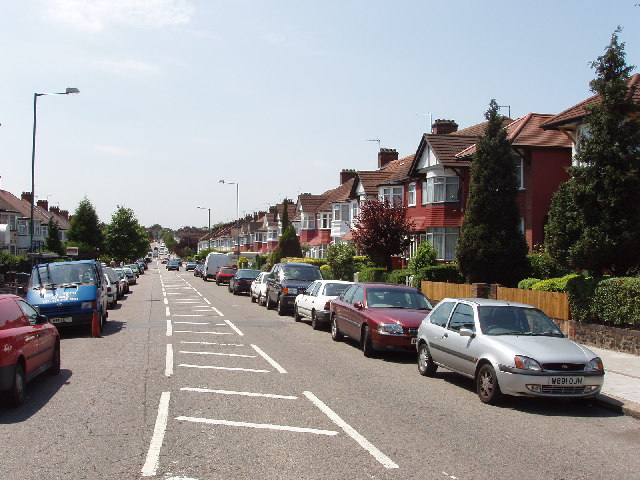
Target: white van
212,263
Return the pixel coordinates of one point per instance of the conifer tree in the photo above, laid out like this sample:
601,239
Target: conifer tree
84,230
492,248
594,220
53,242
288,243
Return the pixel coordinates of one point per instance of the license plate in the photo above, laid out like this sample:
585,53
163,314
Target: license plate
414,341
61,320
566,381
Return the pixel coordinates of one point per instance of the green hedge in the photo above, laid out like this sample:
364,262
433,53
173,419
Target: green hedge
616,301
527,283
327,273
313,261
373,274
542,266
399,276
446,272
554,284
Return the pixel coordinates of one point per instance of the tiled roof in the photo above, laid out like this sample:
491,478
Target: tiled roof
339,194
478,129
310,203
527,132
21,206
393,172
447,146
578,111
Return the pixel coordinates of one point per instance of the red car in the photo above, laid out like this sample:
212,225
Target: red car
29,345
225,274
381,317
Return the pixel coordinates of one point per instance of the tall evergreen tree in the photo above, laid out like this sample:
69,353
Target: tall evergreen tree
53,242
84,230
594,220
125,239
492,248
288,243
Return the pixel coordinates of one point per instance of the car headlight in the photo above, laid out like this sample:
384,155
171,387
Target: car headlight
594,365
87,305
392,328
526,363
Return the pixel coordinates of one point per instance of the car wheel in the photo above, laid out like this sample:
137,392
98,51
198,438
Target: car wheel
54,369
367,345
314,321
234,291
268,303
217,283
253,299
296,314
281,307
426,366
336,336
204,278
487,385
16,394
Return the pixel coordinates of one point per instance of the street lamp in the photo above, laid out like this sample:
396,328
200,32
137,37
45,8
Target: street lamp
209,229
237,211
33,155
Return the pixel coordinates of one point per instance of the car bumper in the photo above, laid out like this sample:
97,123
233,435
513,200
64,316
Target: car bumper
403,343
6,377
323,316
577,385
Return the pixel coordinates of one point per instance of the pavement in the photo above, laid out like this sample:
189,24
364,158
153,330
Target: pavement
621,390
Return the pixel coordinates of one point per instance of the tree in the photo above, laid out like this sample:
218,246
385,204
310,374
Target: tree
382,230
340,259
53,242
125,239
594,220
84,230
426,256
288,243
492,248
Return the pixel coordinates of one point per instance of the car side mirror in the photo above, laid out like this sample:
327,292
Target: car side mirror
466,332
41,319
358,305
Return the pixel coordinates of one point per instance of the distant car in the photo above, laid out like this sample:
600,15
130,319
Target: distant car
242,280
173,265
507,348
124,281
285,281
381,317
315,301
134,268
190,266
224,275
197,271
29,345
258,290
111,291
164,260
131,276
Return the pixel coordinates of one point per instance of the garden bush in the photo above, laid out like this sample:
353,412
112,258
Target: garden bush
554,284
313,261
373,274
527,283
615,301
326,272
542,266
445,272
399,276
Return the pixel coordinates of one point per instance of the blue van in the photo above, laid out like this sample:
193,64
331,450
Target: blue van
68,293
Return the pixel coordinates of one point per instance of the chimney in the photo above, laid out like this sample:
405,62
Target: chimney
443,127
55,210
65,214
43,204
347,174
27,196
386,155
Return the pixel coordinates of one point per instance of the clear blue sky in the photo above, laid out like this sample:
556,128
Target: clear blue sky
278,95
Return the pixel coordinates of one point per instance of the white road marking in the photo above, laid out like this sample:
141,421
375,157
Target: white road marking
215,343
349,430
236,329
188,315
186,300
166,301
167,312
168,370
273,363
198,292
153,455
246,394
164,293
207,301
236,369
204,333
267,426
191,323
169,328
217,311
220,354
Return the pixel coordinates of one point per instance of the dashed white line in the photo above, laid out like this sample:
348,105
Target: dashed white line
214,343
273,363
235,369
246,394
207,301
191,323
217,311
169,328
153,455
267,426
349,430
236,329
204,333
188,315
166,301
167,312
168,369
219,354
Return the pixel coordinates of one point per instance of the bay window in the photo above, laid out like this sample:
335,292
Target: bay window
324,221
393,195
444,240
440,189
411,197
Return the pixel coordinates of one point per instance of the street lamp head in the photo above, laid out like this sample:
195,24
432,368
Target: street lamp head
72,90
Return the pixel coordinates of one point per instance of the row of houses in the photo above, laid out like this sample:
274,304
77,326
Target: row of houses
433,183
15,222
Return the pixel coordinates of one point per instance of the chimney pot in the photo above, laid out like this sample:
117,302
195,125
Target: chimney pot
443,127
347,174
27,196
386,155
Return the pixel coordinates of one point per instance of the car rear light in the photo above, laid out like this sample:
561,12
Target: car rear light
327,306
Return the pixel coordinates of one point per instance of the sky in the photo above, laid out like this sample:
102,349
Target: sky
276,95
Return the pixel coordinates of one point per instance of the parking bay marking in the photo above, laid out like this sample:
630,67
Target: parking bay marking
246,394
215,343
273,363
153,455
219,354
268,426
235,369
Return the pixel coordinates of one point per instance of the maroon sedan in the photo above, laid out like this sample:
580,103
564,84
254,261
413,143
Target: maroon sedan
29,345
381,317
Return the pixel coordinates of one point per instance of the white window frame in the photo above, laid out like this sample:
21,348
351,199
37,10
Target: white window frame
394,195
411,195
441,189
308,221
324,221
520,173
444,240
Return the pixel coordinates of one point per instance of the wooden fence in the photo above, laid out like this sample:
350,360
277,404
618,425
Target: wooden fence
554,304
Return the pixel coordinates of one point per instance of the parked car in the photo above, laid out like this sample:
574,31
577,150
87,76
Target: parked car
164,261
110,292
124,280
507,348
197,271
224,275
131,276
190,266
315,301
173,265
115,279
286,281
242,280
212,264
258,290
29,345
134,268
69,293
380,316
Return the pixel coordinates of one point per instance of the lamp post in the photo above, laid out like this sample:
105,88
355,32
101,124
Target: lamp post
237,211
209,229
33,155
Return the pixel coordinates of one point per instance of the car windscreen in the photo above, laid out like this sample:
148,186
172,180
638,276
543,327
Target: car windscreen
335,289
247,273
306,274
62,275
396,298
509,320
227,270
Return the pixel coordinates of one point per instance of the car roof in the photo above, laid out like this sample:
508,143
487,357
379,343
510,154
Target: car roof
381,284
489,302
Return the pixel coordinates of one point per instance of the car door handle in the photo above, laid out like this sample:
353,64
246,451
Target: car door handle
446,335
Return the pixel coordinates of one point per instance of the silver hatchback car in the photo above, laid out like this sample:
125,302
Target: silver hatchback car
507,348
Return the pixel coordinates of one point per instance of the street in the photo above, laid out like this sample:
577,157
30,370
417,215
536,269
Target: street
192,382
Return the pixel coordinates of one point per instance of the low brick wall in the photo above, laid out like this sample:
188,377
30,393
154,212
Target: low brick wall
602,336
